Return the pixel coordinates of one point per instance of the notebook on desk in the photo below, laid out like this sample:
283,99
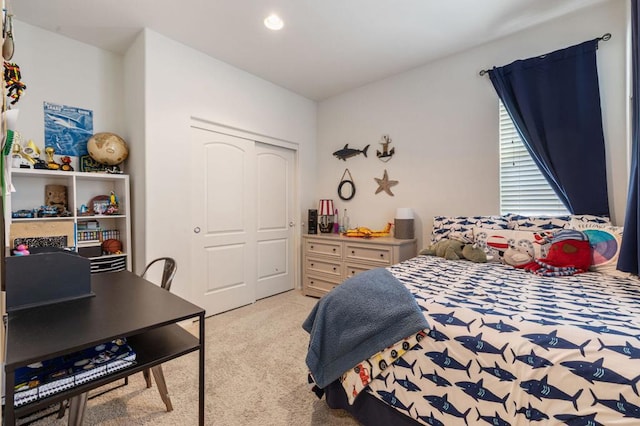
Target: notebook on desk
46,378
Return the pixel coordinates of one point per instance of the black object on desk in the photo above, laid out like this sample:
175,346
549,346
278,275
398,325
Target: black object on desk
124,305
46,276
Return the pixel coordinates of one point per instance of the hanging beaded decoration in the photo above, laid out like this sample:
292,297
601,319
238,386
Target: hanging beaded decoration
12,79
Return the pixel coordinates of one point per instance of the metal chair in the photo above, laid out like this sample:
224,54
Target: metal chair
78,403
169,269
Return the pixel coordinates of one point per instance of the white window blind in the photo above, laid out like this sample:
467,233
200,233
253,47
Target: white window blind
523,188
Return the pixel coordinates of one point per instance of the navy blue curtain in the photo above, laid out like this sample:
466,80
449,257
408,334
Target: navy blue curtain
554,102
629,259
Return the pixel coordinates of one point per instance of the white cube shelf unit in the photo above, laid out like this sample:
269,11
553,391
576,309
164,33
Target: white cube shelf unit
81,187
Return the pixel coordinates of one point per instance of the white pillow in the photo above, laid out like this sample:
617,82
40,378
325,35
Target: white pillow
494,242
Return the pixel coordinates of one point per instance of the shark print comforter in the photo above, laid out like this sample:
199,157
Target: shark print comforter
506,347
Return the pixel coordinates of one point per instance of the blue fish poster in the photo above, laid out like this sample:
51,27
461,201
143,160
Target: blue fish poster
67,129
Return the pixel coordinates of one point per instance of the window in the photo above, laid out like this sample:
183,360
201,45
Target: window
523,188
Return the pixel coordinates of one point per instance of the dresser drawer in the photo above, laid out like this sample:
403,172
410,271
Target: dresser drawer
352,269
327,248
315,265
314,286
329,259
380,255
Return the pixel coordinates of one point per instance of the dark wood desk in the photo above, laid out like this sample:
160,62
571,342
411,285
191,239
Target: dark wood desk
124,305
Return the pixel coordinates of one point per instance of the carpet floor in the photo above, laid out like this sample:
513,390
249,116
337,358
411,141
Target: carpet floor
255,376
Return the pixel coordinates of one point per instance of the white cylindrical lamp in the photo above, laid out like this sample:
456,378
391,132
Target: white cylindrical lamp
403,224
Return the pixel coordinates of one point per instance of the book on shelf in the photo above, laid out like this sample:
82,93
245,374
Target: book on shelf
97,235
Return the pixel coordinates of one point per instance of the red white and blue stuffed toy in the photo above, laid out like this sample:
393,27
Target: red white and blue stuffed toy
569,254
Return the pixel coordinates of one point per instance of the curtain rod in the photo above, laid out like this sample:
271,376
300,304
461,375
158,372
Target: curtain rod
605,37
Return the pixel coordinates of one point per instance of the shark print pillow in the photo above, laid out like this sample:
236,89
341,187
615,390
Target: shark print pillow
461,227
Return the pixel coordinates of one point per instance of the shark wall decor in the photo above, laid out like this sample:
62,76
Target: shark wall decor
347,152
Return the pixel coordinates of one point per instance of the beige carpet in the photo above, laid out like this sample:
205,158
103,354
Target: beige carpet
255,376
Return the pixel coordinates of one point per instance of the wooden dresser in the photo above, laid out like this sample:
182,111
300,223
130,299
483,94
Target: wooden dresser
329,259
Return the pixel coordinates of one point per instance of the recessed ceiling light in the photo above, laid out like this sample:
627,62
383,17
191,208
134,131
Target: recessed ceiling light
273,22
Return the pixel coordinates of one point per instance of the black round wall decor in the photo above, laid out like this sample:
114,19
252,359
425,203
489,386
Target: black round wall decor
346,184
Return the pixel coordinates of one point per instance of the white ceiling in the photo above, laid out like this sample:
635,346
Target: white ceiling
326,47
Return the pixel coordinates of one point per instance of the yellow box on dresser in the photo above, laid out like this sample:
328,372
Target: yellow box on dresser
329,259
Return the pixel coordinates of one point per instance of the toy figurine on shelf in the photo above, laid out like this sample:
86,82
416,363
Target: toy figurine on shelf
113,204
31,153
23,214
32,150
51,164
66,164
21,250
19,158
40,164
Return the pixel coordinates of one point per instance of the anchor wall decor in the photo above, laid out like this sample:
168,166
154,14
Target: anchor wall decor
386,154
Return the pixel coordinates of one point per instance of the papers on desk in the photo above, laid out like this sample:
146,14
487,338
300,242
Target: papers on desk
49,377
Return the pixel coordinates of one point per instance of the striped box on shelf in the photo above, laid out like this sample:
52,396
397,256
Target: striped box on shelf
109,264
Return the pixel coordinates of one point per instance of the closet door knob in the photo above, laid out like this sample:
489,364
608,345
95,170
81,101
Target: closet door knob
196,230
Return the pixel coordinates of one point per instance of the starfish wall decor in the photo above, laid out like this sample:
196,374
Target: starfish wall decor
385,184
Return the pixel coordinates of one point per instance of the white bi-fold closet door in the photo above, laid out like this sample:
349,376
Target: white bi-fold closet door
243,219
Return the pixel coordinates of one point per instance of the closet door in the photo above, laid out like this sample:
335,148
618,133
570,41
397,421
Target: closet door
275,225
243,228
223,218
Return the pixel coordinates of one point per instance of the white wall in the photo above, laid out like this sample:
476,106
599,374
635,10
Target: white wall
60,70
148,97
442,118
134,109
181,83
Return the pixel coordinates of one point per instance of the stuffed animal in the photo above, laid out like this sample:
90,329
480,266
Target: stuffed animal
518,257
447,248
455,250
474,253
569,254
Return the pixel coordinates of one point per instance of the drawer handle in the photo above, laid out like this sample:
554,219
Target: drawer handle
312,265
353,252
334,249
381,254
311,246
334,268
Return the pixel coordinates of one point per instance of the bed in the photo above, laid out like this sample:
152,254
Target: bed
502,346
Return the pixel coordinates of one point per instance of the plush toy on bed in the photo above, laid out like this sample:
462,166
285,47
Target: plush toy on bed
452,249
569,254
518,257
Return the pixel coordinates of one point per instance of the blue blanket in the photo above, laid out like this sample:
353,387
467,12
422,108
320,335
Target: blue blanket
357,319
